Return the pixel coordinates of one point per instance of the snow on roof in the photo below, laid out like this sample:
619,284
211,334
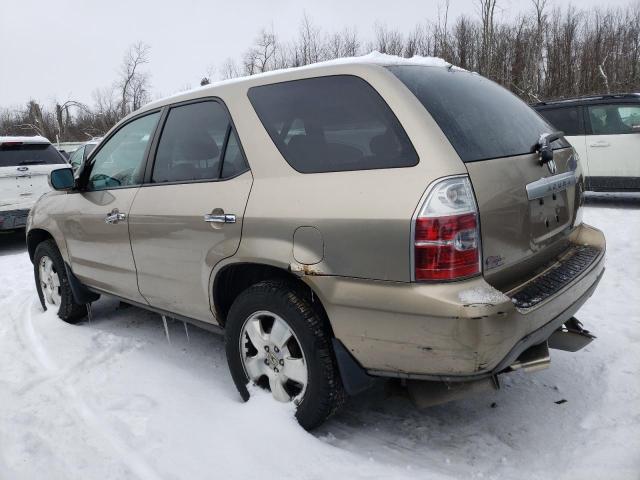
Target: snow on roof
33,139
373,58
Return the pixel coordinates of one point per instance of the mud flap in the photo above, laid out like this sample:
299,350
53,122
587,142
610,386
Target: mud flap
354,379
81,294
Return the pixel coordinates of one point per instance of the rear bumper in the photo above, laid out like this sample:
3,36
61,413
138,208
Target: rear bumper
12,219
454,332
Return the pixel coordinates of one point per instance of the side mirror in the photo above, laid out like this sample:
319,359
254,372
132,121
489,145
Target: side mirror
62,179
635,128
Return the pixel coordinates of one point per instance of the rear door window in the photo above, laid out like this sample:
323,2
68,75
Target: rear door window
481,119
331,124
614,119
567,119
24,154
193,144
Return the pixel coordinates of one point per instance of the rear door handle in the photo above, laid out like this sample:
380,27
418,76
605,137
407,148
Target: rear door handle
220,218
600,144
114,217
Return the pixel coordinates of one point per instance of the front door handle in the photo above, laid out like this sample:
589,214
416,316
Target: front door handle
220,218
114,217
600,144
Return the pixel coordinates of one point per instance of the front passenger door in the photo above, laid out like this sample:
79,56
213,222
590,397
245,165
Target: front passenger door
95,224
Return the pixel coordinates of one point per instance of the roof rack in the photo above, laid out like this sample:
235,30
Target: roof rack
588,97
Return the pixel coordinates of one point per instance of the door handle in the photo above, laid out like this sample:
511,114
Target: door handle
220,218
600,144
114,217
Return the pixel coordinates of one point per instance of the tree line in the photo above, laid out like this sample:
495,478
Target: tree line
544,53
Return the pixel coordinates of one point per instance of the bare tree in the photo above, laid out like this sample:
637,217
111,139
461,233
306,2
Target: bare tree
134,83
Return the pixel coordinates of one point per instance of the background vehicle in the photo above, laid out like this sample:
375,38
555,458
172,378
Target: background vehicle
25,163
372,217
78,157
605,131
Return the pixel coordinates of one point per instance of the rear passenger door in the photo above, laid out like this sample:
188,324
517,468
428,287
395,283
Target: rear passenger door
613,145
188,214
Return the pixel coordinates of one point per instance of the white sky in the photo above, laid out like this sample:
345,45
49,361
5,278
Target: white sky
65,49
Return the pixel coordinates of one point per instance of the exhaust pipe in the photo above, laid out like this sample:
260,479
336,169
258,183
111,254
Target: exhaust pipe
533,359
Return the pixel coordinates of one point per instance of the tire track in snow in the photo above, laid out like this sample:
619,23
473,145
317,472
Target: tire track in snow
134,462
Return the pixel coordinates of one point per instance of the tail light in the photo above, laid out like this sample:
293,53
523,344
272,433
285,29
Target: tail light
446,232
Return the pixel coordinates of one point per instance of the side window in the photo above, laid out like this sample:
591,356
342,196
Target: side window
567,119
330,124
234,162
88,149
76,157
192,143
120,161
614,119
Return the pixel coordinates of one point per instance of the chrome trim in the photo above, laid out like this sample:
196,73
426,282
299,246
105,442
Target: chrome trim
220,218
548,185
114,217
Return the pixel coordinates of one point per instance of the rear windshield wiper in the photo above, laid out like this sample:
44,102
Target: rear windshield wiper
543,147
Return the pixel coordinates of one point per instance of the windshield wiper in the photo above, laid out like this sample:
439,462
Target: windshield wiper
543,147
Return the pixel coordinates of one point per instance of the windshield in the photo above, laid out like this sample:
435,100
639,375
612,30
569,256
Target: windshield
29,154
480,118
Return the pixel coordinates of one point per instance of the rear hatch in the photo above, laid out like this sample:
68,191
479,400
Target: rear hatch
24,170
527,209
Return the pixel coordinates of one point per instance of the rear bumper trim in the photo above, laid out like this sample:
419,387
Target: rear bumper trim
534,338
579,259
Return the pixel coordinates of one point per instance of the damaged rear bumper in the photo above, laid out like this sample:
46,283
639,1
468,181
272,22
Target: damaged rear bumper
461,331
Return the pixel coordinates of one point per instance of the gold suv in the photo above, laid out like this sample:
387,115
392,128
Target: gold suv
355,219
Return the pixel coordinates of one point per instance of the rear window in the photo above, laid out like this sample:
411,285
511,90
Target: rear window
481,119
331,124
568,120
29,154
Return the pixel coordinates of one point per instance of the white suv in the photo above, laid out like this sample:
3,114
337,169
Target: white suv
605,131
25,163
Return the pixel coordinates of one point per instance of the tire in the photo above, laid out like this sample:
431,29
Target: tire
52,293
272,302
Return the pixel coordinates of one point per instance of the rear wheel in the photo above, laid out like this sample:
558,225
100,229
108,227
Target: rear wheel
276,340
53,285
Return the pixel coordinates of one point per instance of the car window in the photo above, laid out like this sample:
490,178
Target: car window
234,162
120,160
481,119
77,157
614,119
191,144
20,154
566,119
88,148
330,124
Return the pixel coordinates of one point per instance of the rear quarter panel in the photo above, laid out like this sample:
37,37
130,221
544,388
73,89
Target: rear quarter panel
364,217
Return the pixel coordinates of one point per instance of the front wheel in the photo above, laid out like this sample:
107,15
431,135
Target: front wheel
53,285
276,340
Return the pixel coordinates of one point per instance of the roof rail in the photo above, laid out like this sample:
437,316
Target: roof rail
588,97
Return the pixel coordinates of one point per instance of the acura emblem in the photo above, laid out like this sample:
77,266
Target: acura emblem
551,164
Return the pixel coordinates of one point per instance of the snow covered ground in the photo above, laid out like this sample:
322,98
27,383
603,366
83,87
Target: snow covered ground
112,399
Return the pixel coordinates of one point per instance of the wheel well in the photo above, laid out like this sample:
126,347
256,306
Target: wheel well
34,238
234,279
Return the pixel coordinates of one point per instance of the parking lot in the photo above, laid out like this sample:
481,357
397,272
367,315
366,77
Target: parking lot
113,399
